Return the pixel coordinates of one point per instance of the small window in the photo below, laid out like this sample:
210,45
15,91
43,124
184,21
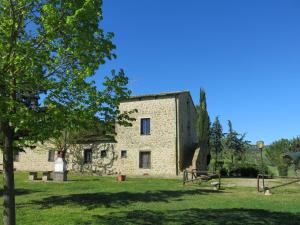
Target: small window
188,106
123,154
88,155
145,126
145,160
103,153
51,155
16,156
189,128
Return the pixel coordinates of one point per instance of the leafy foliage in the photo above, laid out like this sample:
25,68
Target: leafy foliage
295,145
248,170
275,151
230,149
216,135
235,144
203,128
275,154
51,49
203,119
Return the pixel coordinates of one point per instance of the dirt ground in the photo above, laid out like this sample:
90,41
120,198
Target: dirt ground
251,182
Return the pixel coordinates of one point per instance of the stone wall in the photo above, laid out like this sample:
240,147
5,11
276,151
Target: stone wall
187,130
161,142
35,159
99,165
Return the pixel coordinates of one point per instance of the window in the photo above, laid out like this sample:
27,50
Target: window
103,153
51,155
16,156
145,160
189,128
145,126
123,154
88,155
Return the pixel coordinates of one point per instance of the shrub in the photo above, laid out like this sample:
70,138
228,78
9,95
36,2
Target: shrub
274,153
248,170
282,170
223,172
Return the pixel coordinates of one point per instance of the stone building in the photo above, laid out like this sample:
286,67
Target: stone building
161,141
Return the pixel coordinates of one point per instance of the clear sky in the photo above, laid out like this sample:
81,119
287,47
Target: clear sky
245,54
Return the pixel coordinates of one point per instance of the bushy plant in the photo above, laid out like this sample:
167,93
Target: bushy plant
248,170
223,172
282,170
275,152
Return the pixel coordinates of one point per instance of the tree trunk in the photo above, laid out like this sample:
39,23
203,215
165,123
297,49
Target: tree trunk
216,161
9,214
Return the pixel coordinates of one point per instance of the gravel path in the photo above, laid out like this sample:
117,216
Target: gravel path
251,182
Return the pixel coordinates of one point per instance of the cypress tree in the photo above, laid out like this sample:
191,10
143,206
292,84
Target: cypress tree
203,130
216,139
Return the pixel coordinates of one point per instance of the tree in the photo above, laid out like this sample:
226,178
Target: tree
295,145
274,153
216,136
203,130
52,49
235,144
87,128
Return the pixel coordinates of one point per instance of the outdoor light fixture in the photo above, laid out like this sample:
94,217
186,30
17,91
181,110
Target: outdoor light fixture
261,145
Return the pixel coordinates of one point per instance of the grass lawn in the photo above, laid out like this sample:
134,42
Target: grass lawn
102,200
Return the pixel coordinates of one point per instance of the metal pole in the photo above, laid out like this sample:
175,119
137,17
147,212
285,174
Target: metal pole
258,182
262,170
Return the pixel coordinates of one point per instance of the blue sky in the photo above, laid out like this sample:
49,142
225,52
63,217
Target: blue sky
245,54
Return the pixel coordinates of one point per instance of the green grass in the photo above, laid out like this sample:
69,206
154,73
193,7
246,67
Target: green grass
102,200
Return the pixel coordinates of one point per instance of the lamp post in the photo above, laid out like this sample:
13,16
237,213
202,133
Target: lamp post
261,145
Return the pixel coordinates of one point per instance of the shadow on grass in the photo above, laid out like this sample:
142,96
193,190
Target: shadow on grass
20,191
199,216
84,180
112,200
